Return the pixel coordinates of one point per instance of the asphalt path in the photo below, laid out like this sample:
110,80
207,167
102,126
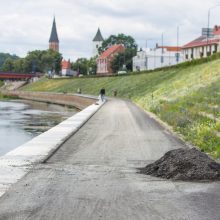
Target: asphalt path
94,176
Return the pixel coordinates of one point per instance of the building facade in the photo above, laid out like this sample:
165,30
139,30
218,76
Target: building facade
105,59
97,43
150,59
66,69
54,40
204,46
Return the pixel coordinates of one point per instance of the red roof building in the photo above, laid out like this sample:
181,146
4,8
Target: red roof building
105,59
203,46
66,68
66,64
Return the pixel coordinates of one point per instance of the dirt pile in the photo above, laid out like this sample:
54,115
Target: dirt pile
184,164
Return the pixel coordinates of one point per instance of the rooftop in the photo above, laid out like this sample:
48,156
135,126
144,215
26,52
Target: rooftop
53,35
111,50
98,36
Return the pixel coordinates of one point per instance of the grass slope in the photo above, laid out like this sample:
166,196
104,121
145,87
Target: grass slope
187,98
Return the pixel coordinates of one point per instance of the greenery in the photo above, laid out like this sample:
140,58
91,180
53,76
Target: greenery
123,61
187,97
84,66
5,56
35,61
126,40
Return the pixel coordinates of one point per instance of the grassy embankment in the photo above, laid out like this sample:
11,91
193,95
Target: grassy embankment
187,98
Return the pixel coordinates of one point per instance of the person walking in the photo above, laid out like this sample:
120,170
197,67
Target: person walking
102,94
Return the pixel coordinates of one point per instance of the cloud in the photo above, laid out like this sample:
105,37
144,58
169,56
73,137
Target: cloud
26,24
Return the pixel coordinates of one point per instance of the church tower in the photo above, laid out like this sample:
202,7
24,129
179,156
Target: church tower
97,42
54,41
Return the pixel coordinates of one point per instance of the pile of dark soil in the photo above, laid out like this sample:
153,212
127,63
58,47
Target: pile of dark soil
184,164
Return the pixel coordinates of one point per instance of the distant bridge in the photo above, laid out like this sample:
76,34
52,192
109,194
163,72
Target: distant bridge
18,76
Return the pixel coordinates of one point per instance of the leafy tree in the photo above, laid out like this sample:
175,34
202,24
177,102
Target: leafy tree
5,56
35,61
18,66
92,66
126,40
81,65
8,65
123,60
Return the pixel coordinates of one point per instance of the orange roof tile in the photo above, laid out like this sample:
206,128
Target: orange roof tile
111,50
171,48
66,64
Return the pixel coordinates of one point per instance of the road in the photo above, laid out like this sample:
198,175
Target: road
94,176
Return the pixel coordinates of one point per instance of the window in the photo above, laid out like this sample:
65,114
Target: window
187,56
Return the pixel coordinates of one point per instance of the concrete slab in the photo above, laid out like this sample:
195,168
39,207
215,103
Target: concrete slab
16,163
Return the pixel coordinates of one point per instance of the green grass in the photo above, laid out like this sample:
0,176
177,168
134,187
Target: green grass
186,97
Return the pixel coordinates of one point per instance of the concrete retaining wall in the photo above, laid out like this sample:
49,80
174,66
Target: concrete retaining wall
76,101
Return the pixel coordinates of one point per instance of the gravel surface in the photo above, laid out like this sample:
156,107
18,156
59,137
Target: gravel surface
184,164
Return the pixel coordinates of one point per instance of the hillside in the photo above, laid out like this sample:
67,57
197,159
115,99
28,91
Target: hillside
187,98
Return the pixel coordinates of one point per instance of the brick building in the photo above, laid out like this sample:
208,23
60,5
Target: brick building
105,59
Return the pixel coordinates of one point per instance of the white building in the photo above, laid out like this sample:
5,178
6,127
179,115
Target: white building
150,59
205,45
97,42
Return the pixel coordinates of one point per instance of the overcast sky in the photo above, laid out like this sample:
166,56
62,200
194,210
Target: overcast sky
25,25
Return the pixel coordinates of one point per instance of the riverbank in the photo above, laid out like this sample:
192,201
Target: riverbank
185,97
77,101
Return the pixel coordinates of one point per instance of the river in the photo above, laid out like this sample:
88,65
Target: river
22,120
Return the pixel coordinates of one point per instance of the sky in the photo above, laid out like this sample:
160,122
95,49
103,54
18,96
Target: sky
26,24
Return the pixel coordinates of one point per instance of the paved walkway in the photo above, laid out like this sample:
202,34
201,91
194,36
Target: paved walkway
94,176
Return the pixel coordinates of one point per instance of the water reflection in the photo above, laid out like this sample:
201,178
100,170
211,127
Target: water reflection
20,121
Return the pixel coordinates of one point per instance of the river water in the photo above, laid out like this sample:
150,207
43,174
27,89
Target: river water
21,120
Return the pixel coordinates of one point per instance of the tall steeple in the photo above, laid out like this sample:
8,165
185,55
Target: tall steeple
54,41
97,42
98,36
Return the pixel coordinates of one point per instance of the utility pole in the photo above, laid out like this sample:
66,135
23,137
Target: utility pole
177,44
162,51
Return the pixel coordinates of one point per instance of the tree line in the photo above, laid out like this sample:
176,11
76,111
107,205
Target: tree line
49,60
35,61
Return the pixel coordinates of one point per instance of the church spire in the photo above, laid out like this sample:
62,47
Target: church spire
98,36
54,41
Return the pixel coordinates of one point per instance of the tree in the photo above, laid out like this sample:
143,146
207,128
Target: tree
43,61
123,59
81,66
92,66
126,40
18,66
8,65
5,56
35,61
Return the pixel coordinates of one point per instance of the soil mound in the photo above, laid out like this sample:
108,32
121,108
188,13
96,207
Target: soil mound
184,164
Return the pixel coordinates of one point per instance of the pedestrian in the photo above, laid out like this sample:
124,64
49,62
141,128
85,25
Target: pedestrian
102,94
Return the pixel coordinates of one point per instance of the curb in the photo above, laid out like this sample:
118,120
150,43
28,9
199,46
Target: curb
16,164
